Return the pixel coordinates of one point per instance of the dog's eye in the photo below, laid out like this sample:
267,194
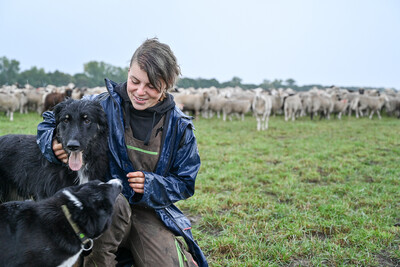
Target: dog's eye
66,119
86,120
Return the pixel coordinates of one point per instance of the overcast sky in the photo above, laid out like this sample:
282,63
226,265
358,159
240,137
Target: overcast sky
330,42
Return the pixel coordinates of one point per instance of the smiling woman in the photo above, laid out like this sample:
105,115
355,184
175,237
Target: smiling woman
140,91
154,153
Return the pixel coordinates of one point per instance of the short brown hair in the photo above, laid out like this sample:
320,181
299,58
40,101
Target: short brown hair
159,62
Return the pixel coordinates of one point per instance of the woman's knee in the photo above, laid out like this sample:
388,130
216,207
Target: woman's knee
122,210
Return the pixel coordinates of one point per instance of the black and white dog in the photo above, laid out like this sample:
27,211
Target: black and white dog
81,127
54,231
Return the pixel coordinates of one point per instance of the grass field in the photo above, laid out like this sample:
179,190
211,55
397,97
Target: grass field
303,193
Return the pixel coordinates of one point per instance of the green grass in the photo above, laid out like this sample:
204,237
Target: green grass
303,193
22,124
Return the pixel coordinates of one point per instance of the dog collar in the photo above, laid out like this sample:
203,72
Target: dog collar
87,243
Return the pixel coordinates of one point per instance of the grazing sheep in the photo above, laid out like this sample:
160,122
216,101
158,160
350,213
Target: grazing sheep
373,103
23,100
305,102
392,107
52,99
35,100
215,105
261,106
340,106
276,104
193,102
292,106
77,93
9,103
240,107
322,104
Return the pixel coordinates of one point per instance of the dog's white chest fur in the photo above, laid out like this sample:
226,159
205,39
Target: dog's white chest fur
71,261
83,178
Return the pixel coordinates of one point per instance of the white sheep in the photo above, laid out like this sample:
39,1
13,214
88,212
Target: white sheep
322,104
193,102
23,100
215,105
352,99
9,103
240,107
261,105
373,103
340,106
292,107
36,99
393,105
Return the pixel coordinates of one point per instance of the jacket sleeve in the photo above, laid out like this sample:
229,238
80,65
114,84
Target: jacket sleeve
44,136
161,191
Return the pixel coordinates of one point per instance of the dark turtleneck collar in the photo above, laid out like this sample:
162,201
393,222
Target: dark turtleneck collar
142,122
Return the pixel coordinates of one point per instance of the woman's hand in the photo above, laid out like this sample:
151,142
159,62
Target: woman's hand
136,181
59,151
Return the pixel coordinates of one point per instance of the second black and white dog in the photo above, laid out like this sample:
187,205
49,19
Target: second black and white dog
54,231
81,127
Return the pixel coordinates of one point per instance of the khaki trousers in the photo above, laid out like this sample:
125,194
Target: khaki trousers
139,230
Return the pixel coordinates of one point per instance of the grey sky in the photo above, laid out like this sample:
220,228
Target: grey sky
340,42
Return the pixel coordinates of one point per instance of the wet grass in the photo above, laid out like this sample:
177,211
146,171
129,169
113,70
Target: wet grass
306,193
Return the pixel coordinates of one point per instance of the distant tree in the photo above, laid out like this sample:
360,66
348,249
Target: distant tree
116,74
9,70
59,78
35,77
248,86
197,83
97,71
290,82
277,83
207,83
81,80
266,84
186,83
236,81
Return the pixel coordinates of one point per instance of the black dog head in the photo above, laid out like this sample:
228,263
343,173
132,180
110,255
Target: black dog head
91,205
79,122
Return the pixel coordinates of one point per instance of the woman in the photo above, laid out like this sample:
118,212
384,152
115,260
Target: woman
154,152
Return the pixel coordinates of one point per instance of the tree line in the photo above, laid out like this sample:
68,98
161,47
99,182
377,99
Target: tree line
92,76
94,73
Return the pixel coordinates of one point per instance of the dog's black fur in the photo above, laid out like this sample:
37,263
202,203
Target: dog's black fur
39,234
81,127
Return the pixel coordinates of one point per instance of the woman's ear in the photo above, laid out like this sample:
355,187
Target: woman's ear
163,96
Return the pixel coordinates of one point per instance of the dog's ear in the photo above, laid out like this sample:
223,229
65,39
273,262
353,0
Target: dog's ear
102,118
59,107
73,199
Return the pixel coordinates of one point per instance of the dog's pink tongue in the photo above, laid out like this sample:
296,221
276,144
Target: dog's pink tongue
75,161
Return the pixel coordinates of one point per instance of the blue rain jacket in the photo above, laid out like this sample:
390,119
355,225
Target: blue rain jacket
176,170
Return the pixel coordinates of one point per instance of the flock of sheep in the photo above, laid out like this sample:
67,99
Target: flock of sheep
226,102
40,99
322,102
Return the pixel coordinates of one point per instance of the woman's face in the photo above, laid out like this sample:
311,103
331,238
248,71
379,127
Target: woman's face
140,91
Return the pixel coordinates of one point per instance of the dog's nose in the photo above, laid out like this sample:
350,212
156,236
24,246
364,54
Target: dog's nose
73,145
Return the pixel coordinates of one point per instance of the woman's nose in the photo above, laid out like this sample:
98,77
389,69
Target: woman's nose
141,89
